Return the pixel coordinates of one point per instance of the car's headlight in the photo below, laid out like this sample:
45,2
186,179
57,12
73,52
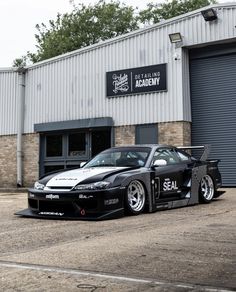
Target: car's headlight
94,186
38,186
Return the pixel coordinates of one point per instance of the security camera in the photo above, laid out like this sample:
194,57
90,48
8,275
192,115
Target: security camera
176,56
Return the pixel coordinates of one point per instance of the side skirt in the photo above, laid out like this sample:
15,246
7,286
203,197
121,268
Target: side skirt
172,204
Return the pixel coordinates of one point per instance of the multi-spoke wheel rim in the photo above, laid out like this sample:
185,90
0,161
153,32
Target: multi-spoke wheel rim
207,187
136,196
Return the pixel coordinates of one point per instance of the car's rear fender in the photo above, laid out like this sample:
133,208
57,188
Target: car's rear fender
213,171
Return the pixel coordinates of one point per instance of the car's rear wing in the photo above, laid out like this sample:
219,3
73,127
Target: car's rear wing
206,150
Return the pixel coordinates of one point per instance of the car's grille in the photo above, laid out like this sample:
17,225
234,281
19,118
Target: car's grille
66,207
87,204
33,203
62,207
61,189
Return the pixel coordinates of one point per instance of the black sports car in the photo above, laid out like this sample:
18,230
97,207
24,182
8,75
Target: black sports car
127,179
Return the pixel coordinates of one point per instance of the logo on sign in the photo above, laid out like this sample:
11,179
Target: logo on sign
120,83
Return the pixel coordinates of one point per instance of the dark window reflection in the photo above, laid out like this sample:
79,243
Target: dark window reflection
54,145
52,168
77,144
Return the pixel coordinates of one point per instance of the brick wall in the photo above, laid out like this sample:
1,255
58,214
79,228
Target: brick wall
30,159
124,135
174,133
8,161
8,172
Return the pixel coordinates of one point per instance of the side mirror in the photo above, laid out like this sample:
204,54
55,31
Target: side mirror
159,162
82,164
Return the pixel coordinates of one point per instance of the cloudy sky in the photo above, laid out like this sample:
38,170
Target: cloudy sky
19,17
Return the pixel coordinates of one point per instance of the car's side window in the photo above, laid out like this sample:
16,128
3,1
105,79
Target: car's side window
168,155
183,156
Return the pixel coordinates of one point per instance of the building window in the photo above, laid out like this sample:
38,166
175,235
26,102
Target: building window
146,134
77,144
53,145
67,149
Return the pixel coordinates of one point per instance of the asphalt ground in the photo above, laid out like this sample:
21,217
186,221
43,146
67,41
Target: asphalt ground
185,249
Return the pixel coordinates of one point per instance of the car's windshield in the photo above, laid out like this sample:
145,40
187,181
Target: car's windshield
119,157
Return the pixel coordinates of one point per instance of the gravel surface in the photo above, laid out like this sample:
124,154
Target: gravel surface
185,249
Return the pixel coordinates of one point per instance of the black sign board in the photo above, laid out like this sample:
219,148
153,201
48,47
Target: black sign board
136,80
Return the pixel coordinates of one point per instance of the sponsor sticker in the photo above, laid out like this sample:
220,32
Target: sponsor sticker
51,213
82,196
170,185
51,197
111,202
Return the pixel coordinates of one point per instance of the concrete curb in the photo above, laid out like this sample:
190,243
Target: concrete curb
13,190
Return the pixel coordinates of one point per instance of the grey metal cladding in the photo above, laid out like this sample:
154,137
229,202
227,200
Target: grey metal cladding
213,89
8,101
146,134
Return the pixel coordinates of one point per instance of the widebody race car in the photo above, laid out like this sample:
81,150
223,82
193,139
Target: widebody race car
128,179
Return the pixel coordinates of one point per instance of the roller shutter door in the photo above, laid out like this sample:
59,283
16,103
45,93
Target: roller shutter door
213,98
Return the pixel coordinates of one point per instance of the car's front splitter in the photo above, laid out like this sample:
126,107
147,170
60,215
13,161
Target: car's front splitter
113,214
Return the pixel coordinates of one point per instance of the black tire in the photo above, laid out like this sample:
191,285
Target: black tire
135,198
206,189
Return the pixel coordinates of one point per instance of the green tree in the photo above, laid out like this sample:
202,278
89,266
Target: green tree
87,25
84,26
155,13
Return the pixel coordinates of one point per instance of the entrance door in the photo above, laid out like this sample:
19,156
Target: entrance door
62,150
101,140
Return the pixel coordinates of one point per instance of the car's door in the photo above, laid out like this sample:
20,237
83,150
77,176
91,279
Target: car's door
169,178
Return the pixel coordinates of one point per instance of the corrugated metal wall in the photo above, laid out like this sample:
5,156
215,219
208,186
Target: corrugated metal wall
73,86
214,110
8,101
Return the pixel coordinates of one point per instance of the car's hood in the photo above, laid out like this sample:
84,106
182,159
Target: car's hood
72,177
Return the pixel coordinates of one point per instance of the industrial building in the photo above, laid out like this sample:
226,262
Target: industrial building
172,83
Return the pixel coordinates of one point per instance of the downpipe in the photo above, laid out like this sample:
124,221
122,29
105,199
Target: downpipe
20,125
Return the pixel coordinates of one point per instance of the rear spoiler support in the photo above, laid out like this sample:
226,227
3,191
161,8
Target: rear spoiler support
206,150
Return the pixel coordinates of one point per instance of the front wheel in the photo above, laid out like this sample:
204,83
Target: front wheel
135,197
207,189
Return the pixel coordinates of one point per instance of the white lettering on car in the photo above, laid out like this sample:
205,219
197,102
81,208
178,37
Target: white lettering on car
170,185
51,196
51,213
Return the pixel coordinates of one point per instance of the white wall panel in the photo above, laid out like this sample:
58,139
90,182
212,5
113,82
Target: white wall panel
8,101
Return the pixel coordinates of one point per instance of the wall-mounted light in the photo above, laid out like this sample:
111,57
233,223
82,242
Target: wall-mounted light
209,14
175,37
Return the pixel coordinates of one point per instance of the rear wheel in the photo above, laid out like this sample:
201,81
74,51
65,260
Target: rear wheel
207,189
135,197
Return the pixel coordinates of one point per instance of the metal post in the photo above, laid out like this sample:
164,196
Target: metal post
20,125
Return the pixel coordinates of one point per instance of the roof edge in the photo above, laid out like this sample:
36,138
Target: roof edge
7,69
